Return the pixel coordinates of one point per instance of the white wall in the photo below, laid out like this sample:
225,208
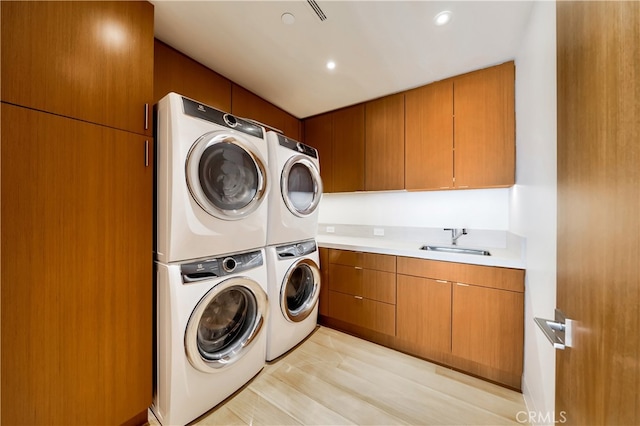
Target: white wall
474,209
533,199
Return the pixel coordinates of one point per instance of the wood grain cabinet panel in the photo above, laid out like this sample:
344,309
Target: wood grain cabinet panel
88,60
384,143
175,72
362,290
76,271
339,136
484,127
429,137
424,314
318,132
248,105
488,327
366,313
323,308
348,149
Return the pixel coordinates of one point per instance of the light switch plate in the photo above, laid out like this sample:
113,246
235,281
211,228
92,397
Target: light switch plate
331,229
379,232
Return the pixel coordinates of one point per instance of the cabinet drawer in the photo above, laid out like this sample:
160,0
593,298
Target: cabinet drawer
375,285
484,276
366,313
378,262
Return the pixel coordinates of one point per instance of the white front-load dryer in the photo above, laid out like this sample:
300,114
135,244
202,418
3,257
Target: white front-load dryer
211,332
296,190
294,288
211,181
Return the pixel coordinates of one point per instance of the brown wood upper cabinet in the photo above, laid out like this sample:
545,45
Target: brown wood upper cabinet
484,128
88,60
175,72
318,133
461,131
339,137
384,143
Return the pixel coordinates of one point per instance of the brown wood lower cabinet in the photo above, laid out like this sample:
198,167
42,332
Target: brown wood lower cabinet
424,315
468,317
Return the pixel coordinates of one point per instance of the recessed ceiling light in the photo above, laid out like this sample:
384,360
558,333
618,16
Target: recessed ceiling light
331,65
288,18
442,18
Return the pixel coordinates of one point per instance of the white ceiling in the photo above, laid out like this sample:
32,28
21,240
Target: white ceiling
380,47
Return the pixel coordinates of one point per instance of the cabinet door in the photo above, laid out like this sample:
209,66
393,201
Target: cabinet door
429,137
424,314
246,104
175,72
384,143
484,128
88,60
488,327
76,271
348,149
318,132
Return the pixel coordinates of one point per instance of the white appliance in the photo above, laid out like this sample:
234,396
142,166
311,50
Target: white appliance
211,332
296,190
212,181
294,288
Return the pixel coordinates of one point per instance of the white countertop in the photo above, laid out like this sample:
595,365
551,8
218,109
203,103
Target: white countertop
509,255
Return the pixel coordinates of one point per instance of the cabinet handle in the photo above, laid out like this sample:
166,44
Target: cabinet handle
146,153
358,267
146,116
442,281
462,285
358,297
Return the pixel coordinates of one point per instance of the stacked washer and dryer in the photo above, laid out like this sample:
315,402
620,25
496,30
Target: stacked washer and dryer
223,251
292,253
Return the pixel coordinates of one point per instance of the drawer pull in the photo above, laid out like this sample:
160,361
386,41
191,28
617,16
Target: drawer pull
442,281
358,267
358,297
462,285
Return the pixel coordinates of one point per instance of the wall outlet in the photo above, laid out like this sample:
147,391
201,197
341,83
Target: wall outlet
331,229
378,232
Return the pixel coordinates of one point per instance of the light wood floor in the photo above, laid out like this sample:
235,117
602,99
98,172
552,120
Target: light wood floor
336,379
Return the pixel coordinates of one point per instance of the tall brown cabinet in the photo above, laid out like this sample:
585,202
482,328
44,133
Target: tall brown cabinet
77,185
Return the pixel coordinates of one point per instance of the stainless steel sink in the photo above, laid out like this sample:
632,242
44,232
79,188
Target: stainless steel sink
458,250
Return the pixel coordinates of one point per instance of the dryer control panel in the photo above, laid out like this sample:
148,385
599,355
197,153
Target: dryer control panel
296,249
220,118
220,267
297,146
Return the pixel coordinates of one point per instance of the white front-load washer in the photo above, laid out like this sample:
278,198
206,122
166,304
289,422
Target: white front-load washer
211,181
211,332
294,288
296,190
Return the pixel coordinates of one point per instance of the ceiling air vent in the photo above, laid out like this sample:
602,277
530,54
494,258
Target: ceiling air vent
317,9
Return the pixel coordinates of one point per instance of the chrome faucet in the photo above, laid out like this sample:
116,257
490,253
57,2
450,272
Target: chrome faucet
455,234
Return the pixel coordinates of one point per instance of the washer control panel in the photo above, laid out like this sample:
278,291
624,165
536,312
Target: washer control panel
220,267
296,249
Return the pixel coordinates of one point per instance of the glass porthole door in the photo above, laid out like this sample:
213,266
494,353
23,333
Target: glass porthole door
300,290
225,177
225,324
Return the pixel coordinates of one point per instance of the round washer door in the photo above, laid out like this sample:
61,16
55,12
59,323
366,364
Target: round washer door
225,324
225,177
301,186
300,290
